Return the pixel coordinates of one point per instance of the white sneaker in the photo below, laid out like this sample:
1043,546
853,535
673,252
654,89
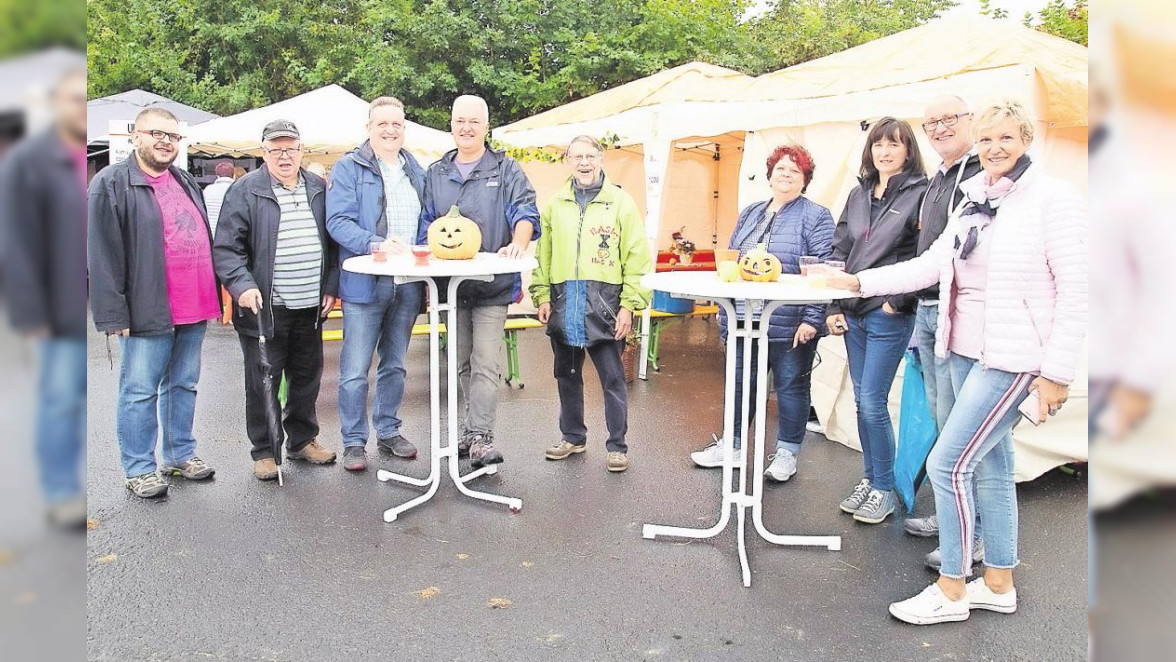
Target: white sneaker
712,456
931,607
983,597
815,426
782,467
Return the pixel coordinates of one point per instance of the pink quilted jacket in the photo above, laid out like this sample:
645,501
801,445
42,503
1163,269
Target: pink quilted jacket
1035,314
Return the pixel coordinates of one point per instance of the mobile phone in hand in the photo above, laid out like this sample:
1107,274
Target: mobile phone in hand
1030,408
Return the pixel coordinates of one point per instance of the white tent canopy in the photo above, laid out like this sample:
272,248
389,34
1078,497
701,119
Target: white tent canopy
126,105
330,119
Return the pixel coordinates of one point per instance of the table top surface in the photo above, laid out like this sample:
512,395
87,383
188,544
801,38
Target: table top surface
482,264
790,289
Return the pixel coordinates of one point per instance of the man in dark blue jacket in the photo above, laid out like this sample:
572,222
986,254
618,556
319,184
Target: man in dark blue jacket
492,190
375,196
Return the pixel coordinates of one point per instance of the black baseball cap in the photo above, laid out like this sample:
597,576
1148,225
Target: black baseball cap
279,129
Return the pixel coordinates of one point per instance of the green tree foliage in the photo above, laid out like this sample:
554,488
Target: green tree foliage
1063,19
523,56
27,25
796,31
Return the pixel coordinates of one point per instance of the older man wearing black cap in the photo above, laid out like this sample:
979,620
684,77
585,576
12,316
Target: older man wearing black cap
273,254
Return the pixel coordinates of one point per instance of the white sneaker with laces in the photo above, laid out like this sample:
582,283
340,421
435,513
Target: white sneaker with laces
712,456
931,607
782,466
983,597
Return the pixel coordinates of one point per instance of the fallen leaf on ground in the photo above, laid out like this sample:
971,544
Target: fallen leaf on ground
527,564
427,593
109,558
91,524
26,598
5,557
462,557
499,603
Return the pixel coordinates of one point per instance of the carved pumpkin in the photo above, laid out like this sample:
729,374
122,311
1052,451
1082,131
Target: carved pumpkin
759,265
454,237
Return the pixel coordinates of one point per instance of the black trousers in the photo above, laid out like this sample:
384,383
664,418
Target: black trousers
569,364
295,349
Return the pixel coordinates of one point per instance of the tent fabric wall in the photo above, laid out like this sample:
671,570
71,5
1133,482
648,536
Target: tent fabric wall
330,119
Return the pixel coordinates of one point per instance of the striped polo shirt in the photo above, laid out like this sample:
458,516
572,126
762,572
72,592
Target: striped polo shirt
298,262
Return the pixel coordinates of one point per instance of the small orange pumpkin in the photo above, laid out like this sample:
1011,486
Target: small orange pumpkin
454,237
759,265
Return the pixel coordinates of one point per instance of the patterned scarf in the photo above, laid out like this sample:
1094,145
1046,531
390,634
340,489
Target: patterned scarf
981,203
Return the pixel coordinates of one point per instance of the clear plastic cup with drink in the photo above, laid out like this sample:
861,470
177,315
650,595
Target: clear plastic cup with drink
378,253
421,254
806,262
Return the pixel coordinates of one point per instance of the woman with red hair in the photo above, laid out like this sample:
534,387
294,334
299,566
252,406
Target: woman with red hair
791,226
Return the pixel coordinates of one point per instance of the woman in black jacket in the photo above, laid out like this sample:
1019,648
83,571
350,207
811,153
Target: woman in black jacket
878,226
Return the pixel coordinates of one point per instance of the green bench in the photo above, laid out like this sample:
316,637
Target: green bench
510,337
659,318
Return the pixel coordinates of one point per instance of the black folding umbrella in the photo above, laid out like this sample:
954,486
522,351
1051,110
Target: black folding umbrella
271,413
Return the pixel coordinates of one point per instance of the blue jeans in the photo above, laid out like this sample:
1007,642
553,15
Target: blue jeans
936,376
971,466
792,371
157,388
875,343
383,326
61,418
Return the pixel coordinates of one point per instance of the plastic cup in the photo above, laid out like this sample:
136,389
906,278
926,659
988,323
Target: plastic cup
836,265
726,255
378,252
421,255
807,261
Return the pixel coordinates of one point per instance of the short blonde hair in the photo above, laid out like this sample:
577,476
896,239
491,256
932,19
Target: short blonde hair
999,112
380,102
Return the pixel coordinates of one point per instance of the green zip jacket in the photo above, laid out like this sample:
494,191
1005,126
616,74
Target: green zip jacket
590,264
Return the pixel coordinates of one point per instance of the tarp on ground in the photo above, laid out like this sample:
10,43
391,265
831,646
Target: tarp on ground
330,119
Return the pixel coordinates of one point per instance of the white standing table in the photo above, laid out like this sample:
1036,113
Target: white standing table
760,300
483,267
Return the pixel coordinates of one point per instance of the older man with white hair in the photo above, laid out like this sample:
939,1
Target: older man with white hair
947,124
491,189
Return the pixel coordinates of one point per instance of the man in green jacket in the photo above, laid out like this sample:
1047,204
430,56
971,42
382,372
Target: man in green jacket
592,254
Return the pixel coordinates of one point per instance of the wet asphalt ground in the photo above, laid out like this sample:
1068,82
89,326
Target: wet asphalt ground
235,569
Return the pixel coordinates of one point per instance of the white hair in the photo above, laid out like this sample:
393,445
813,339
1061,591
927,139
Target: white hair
470,98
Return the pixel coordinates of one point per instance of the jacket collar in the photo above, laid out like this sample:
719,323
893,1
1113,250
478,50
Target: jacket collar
897,183
608,191
262,182
451,156
139,178
366,156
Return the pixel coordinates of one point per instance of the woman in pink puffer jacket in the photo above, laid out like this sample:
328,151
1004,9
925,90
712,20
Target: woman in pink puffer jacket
1012,317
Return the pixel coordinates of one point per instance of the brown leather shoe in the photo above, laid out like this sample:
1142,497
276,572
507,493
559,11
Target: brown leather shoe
313,453
265,469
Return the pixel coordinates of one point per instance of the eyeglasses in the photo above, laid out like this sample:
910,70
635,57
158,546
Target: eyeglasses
588,158
947,120
158,135
283,152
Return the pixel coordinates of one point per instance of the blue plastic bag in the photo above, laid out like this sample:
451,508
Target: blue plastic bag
916,433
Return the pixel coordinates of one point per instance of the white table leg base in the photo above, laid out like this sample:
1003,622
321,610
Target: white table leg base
385,476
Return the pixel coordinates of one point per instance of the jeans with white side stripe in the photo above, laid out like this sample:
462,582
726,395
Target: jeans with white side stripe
971,466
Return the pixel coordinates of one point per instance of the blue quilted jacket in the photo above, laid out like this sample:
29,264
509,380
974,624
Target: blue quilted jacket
801,227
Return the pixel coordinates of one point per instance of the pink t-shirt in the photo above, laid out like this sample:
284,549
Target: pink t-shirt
967,313
191,282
